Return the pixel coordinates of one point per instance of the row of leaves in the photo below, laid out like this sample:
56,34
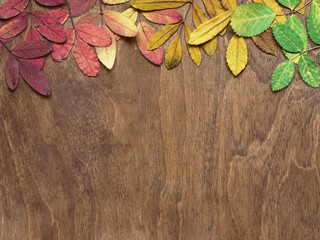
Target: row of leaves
94,36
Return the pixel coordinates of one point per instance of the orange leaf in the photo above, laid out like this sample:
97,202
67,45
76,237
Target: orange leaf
86,58
145,33
93,35
120,24
90,18
167,16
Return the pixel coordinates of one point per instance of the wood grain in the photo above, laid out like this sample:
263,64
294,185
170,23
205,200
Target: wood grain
141,152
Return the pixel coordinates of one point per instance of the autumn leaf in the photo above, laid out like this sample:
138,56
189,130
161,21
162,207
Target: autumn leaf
160,37
11,8
48,27
34,77
213,7
151,5
132,14
198,18
282,75
86,58
12,72
31,49
210,28
107,55
145,32
194,51
120,24
251,19
93,35
32,35
167,16
114,1
50,2
237,54
90,18
229,4
79,7
11,29
173,53
60,15
61,50
266,42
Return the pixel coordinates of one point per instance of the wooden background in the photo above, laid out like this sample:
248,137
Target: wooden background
145,153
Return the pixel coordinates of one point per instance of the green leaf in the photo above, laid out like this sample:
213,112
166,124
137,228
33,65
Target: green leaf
287,38
282,75
295,24
251,19
313,25
315,7
290,3
309,71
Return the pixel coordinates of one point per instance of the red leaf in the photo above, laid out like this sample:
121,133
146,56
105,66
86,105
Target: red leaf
50,2
31,49
60,15
79,7
167,16
33,34
11,28
86,58
145,33
12,8
90,18
93,35
61,51
34,77
48,27
12,72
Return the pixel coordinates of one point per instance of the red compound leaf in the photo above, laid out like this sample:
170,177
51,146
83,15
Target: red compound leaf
11,8
12,72
31,49
93,35
61,51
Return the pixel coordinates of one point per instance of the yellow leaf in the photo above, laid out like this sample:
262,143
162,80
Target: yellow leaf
198,18
150,5
210,28
237,54
276,8
162,35
194,51
107,55
114,1
229,4
302,10
173,53
213,7
132,14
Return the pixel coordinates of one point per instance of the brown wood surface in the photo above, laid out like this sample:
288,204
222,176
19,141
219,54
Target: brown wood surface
145,153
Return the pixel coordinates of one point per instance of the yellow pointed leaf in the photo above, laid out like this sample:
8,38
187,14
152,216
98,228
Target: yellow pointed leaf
213,7
273,4
229,4
194,51
237,54
162,35
198,18
114,1
132,14
210,28
107,55
151,5
302,10
173,53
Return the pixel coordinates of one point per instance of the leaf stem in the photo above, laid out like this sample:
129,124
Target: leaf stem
303,52
295,11
101,12
30,12
71,19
